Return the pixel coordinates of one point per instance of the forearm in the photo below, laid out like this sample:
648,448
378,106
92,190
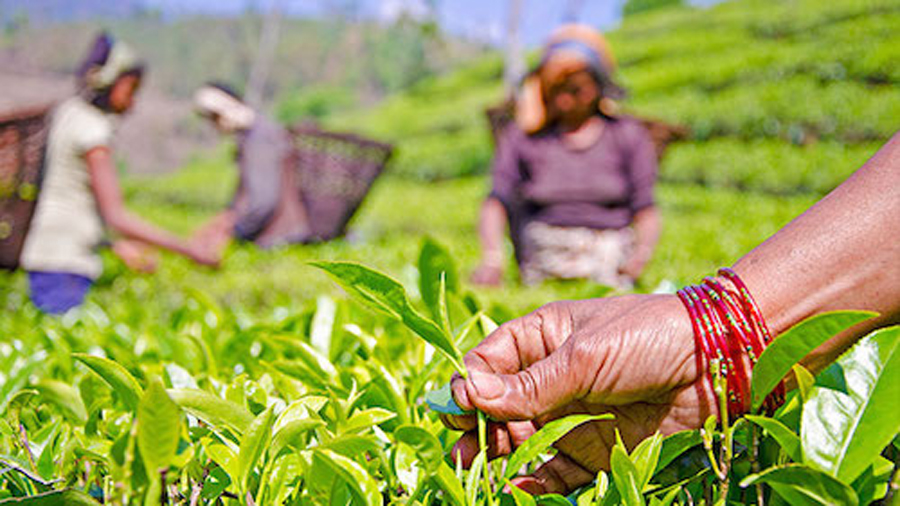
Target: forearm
841,254
133,227
647,226
491,227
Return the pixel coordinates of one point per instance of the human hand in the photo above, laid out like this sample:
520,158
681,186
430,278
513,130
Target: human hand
488,274
136,255
204,252
633,266
632,356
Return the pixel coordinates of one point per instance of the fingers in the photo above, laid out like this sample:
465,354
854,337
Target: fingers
559,475
502,439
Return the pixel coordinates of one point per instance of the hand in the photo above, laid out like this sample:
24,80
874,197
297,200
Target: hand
632,356
633,266
136,255
204,252
488,275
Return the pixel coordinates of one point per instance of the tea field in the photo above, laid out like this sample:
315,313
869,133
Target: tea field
264,383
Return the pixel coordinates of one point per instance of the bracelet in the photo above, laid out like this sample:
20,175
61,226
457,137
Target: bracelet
730,334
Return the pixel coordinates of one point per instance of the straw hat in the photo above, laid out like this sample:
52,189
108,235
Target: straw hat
571,48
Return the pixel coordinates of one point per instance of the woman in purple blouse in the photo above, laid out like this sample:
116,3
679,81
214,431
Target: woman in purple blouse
574,183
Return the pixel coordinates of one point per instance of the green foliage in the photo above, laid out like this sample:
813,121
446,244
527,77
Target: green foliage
637,6
796,343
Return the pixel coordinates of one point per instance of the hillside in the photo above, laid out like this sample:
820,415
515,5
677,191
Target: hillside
779,96
368,59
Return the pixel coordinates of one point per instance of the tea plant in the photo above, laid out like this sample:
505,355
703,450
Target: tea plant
326,407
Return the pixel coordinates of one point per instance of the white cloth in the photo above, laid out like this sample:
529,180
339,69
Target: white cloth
577,252
67,227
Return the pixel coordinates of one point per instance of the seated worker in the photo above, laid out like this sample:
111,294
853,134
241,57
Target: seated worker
574,183
267,207
80,192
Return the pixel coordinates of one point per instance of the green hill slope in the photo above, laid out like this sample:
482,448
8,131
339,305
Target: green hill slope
780,96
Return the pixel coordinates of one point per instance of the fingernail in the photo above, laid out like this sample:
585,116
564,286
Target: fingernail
487,386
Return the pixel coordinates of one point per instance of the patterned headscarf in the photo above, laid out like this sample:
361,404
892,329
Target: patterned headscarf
570,49
107,61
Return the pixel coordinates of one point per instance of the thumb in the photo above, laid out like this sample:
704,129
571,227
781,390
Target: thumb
540,388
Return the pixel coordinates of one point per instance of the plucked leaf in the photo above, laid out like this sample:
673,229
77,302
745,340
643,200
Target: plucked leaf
442,401
541,440
793,345
435,261
384,294
843,433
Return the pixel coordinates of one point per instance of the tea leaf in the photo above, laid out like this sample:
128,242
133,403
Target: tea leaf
353,475
212,409
118,378
793,345
427,447
675,445
446,480
800,485
441,401
435,261
65,397
68,497
843,433
367,418
521,497
646,458
626,477
158,429
805,381
254,443
541,440
384,294
788,441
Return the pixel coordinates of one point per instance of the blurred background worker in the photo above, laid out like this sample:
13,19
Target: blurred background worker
573,181
81,193
267,207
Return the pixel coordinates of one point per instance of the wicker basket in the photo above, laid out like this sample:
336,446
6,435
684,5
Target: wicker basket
335,172
23,139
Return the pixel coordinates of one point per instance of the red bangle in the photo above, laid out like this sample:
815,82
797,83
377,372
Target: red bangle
728,325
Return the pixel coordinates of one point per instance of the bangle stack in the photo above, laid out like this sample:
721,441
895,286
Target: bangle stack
727,324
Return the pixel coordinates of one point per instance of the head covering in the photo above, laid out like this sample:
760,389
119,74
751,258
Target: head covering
571,48
107,61
221,102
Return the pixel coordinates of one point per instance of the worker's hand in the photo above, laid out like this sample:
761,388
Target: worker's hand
488,274
632,356
136,255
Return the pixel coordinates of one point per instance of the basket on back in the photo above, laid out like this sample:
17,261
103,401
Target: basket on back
335,173
23,139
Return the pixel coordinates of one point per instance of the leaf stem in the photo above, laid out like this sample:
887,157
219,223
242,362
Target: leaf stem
482,444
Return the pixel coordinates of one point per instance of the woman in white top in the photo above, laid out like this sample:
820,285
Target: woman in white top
80,191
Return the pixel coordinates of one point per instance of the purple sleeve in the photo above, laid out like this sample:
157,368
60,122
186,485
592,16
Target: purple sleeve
643,166
505,168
